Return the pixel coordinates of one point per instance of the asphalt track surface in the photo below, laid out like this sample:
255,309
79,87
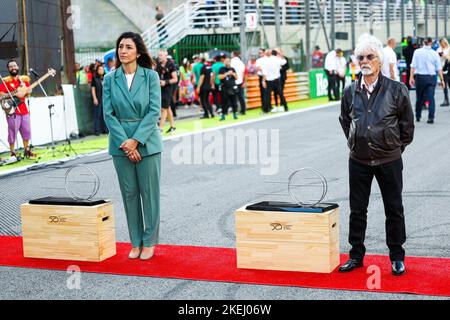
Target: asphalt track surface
198,203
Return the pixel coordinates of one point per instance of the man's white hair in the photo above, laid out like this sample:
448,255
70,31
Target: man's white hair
369,42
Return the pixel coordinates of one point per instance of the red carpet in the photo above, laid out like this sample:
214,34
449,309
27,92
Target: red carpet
425,276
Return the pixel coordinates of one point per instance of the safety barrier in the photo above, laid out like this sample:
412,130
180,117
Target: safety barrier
296,88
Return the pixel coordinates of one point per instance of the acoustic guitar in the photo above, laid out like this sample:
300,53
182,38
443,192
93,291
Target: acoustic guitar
10,105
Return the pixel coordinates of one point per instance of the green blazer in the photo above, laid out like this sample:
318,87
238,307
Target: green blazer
133,114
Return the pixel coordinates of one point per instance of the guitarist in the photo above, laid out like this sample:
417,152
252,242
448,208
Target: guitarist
20,121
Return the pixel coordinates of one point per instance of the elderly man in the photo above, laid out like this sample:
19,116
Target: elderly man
378,122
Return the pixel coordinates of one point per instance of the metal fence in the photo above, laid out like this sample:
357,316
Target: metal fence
200,14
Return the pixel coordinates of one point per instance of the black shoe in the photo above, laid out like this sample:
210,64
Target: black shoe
445,104
398,268
417,119
205,117
171,130
430,121
350,265
286,109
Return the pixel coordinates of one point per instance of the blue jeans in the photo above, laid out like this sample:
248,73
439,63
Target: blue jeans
425,87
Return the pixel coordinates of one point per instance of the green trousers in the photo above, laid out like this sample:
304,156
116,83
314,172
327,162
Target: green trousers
140,188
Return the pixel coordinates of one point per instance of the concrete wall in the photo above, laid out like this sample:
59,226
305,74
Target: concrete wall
102,21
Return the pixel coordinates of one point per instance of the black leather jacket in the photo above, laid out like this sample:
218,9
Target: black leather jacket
379,129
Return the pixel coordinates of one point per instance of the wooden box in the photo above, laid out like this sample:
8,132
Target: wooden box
288,241
68,232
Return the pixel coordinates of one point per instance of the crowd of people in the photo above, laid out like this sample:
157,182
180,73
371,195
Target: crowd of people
426,61
213,85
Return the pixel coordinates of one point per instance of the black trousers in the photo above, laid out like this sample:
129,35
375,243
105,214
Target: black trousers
447,85
275,87
333,85
390,180
216,93
282,84
408,74
265,102
341,81
241,98
99,122
204,100
228,100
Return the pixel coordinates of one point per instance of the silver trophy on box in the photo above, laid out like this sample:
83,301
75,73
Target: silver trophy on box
81,185
306,188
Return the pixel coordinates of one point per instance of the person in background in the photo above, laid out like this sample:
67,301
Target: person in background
261,64
110,65
77,72
168,77
390,69
332,74
317,58
160,27
239,67
186,86
197,66
20,121
252,69
216,90
175,101
444,53
82,74
271,79
283,73
204,87
97,99
341,71
355,69
90,72
228,77
408,52
424,67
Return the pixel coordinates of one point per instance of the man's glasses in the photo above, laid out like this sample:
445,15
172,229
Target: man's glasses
369,57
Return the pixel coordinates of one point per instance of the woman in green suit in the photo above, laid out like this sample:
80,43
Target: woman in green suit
132,104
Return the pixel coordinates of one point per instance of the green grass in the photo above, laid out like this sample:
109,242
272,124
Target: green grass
46,154
92,143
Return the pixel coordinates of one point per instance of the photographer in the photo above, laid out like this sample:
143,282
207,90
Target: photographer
228,77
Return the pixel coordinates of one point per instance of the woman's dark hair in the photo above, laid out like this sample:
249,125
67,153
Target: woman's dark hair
144,60
98,67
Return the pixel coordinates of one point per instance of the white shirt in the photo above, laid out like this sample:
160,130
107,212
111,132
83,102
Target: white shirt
261,63
389,57
331,61
341,66
273,68
370,88
130,78
239,66
445,52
